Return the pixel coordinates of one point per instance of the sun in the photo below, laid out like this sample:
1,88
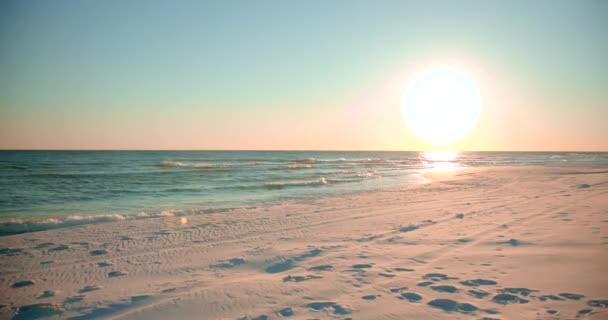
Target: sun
442,106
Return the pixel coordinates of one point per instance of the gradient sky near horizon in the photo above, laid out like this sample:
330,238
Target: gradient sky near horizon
311,75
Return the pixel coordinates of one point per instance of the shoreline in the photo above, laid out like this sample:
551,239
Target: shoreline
16,226
64,191
71,221
339,250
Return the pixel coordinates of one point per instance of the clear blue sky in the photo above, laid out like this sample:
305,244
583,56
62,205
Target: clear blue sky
293,74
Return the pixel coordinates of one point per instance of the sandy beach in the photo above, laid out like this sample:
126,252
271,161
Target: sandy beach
491,243
305,160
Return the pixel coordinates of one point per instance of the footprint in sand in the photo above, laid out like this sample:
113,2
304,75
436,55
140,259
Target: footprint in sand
370,297
361,279
445,288
337,309
521,291
408,228
396,290
362,266
437,277
281,266
290,263
43,245
425,283
59,248
286,312
411,296
46,294
98,252
584,312
386,275
36,311
572,296
369,238
505,298
312,253
549,297
478,294
234,262
598,303
11,251
111,309
138,299
73,299
478,282
511,242
404,269
104,264
21,284
262,317
449,305
115,274
325,267
300,278
89,289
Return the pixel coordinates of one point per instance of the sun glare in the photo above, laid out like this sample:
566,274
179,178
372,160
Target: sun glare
442,106
440,160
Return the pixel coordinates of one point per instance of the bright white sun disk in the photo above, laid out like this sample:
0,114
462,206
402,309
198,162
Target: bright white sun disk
442,106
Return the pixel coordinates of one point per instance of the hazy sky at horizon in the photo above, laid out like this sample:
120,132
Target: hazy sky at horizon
296,74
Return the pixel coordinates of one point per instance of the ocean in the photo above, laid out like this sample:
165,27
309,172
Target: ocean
49,189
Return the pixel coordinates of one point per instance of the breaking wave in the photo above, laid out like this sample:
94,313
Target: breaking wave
170,164
15,226
322,181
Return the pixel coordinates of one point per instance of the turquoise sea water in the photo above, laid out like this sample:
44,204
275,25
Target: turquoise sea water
49,189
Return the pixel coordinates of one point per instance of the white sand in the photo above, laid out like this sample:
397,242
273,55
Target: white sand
529,227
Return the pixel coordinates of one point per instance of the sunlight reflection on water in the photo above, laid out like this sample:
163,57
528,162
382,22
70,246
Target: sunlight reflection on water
440,160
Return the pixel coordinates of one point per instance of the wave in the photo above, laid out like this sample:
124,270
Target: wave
298,167
21,226
97,174
301,183
170,164
218,164
309,161
291,164
322,181
183,189
15,226
345,160
69,174
363,174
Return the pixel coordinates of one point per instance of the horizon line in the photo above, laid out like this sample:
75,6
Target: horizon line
307,150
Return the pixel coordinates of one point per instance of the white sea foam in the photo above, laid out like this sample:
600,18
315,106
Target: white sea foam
297,167
169,164
13,226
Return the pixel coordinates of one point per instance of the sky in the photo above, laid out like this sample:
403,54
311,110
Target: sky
296,75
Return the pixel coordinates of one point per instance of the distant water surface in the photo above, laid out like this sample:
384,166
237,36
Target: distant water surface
46,189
